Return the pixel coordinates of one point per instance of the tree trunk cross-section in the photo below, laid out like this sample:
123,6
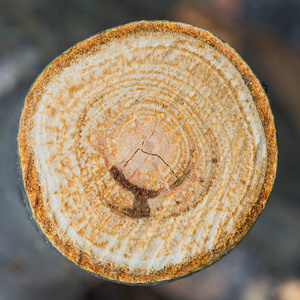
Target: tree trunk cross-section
147,151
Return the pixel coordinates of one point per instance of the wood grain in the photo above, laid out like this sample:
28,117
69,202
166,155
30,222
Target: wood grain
148,151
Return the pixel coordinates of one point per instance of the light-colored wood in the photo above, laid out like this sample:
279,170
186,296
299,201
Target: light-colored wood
148,151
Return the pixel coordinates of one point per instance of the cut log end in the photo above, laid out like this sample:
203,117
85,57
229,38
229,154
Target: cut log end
151,149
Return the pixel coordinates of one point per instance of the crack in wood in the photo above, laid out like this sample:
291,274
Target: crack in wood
152,154
181,179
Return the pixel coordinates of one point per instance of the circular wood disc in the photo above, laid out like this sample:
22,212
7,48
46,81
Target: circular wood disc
147,151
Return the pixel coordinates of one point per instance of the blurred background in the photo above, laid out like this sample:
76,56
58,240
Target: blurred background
266,264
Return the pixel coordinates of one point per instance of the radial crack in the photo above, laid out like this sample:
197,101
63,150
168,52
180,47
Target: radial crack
152,154
132,156
152,131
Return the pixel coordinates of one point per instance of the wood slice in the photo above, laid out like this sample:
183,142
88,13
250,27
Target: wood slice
147,151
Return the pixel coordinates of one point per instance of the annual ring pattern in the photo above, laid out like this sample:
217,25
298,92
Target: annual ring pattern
147,151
